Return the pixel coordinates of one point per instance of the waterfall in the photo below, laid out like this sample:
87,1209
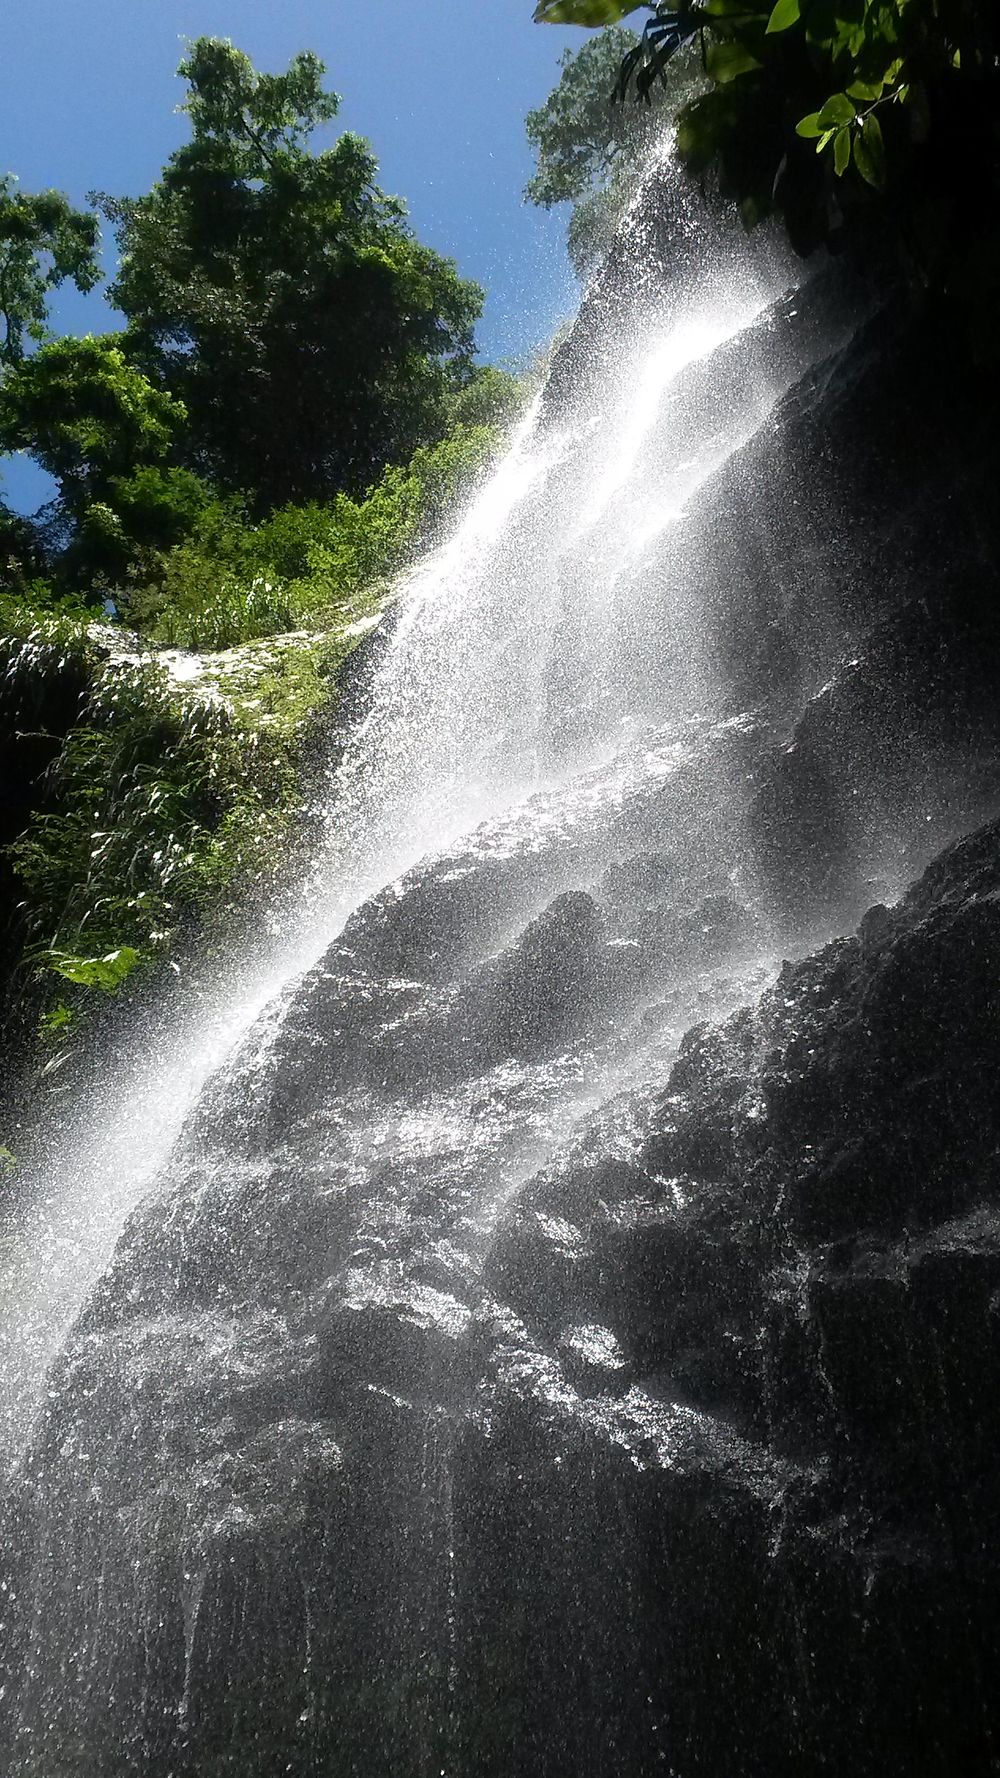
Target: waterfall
259,1309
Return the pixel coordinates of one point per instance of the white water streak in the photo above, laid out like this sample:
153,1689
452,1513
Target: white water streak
472,689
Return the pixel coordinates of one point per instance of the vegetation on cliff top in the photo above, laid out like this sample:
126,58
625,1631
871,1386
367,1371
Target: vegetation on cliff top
288,412
156,797
286,338
590,148
856,123
278,293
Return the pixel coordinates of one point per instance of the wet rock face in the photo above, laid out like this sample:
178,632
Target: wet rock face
273,1489
680,1458
544,1357
802,1252
897,751
857,605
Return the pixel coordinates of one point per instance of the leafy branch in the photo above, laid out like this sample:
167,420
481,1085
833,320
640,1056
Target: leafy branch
897,99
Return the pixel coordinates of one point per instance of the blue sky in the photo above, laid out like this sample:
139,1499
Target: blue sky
440,87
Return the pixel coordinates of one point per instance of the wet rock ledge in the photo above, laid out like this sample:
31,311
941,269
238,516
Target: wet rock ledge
693,1471
789,1517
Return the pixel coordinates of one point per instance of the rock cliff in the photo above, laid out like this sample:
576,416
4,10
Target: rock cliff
564,1340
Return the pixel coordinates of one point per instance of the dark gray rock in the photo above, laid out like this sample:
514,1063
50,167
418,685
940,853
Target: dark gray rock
408,1432
808,1248
708,1432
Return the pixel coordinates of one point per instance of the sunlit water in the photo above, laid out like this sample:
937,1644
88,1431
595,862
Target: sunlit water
330,1131
463,718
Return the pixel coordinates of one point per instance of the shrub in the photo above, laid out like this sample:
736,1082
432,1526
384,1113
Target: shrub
304,565
159,801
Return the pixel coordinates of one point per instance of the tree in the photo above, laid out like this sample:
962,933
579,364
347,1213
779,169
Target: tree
588,147
855,121
102,430
279,294
43,242
86,414
491,397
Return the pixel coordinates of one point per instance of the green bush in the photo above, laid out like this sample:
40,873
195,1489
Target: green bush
159,801
204,611
163,798
305,566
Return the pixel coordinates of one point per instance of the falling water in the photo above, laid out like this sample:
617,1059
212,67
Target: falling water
536,874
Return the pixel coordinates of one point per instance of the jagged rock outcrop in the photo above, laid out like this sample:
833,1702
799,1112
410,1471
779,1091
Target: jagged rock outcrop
801,1251
690,1463
858,604
543,1356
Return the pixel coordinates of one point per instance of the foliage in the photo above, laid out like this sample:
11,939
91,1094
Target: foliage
593,13
206,608
233,580
56,1021
160,798
279,294
289,414
489,396
103,859
837,116
287,340
588,147
43,242
42,647
122,537
106,973
43,615
163,797
85,414
22,557
95,422
579,131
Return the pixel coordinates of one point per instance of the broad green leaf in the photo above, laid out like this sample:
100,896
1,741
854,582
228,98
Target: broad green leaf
727,61
869,153
106,973
841,151
867,90
809,127
837,111
786,13
583,12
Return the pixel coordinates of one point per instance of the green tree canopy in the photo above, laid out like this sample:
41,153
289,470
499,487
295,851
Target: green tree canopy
580,132
43,242
86,414
280,294
846,117
102,430
589,147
